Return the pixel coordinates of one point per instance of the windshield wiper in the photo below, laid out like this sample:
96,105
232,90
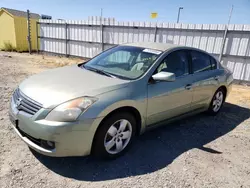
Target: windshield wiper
99,71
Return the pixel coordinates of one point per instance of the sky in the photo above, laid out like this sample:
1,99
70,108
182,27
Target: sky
194,11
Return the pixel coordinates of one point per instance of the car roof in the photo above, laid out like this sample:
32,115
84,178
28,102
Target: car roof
153,45
164,47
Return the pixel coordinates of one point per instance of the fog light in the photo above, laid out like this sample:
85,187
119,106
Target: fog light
51,144
47,144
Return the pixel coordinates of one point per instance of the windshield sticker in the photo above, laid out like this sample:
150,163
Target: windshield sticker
152,51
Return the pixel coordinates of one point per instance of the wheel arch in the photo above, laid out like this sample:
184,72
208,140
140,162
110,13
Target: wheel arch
129,109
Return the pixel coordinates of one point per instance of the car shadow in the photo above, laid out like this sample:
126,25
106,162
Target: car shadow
153,150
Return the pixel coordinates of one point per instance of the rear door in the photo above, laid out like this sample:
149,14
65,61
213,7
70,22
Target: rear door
205,78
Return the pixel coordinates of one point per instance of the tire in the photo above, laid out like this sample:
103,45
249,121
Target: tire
114,136
217,102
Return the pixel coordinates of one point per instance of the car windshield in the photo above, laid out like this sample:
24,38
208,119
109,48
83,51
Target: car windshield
127,62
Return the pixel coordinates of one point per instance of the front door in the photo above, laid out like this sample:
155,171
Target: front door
170,99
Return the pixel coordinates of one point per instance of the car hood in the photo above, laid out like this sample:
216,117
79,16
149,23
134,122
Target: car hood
56,86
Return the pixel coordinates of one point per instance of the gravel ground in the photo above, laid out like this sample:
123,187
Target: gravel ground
200,151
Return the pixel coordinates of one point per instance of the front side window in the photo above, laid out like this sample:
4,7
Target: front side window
126,62
176,62
200,62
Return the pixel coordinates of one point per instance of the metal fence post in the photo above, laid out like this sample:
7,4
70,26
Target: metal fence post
102,46
223,44
155,33
66,39
37,45
28,28
101,27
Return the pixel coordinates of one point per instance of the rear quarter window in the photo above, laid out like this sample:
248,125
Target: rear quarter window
213,63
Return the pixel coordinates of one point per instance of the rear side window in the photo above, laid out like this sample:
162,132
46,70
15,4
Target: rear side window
200,62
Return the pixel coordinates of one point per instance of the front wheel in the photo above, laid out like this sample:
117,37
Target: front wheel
114,135
217,102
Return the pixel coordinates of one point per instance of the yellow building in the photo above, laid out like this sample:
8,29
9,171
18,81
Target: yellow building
13,29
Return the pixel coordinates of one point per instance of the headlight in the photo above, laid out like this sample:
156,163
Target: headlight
70,110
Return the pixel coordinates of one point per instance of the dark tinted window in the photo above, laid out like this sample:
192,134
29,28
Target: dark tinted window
213,63
176,62
200,62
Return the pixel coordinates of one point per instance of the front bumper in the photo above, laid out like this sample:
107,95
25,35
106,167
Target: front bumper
70,138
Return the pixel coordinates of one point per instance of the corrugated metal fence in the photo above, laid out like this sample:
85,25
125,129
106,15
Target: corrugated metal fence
88,38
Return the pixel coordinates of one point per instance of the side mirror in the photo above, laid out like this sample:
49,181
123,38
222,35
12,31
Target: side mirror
164,76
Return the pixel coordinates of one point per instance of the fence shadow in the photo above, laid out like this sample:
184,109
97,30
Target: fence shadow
155,149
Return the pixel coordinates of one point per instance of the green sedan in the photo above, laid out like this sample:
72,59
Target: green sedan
100,106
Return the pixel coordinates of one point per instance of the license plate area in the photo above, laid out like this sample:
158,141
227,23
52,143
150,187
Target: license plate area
16,123
13,120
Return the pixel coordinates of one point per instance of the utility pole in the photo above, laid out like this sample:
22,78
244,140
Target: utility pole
101,13
28,27
225,34
179,11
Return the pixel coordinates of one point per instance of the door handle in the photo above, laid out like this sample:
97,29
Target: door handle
216,77
188,86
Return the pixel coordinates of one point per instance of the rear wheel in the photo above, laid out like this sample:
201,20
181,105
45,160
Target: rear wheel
114,136
217,102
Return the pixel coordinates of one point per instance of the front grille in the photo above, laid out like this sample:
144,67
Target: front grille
25,104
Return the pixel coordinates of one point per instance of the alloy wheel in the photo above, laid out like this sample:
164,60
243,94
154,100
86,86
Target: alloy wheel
118,136
218,100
